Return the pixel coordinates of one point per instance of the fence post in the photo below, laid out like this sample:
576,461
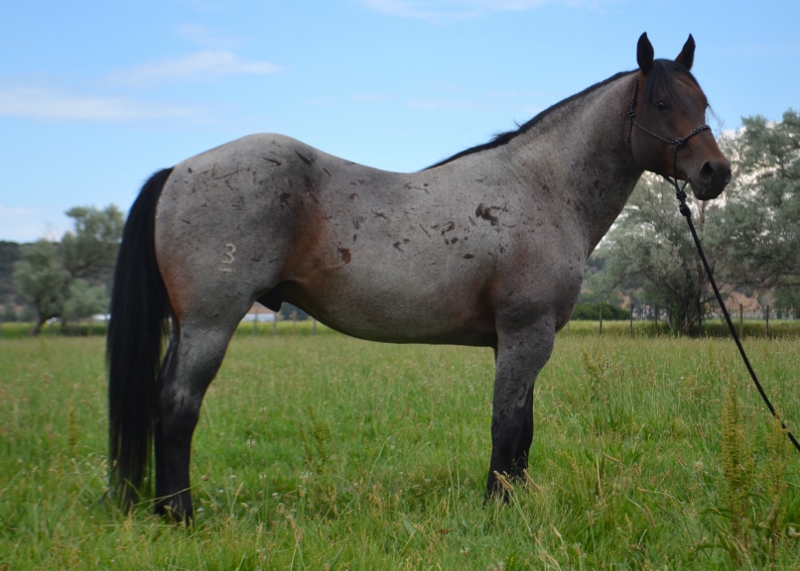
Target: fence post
700,317
255,323
766,331
275,324
631,325
655,317
601,319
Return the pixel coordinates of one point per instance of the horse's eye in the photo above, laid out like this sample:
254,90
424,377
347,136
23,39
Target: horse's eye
661,106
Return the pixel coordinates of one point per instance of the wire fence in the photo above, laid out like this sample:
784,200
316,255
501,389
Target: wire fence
650,320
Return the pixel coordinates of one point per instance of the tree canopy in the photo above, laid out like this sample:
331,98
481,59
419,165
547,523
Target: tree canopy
71,279
42,280
751,234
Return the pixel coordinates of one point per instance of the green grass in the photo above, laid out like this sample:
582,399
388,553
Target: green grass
324,452
751,328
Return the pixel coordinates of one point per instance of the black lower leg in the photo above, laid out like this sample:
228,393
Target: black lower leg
173,456
511,442
519,462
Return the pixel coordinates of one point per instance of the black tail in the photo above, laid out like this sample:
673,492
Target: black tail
139,308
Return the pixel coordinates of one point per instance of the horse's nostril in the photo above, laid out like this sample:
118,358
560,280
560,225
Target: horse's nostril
715,173
707,173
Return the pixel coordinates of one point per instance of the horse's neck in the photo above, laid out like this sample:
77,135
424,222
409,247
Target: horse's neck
587,157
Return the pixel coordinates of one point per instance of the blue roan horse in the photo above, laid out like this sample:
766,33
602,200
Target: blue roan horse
485,249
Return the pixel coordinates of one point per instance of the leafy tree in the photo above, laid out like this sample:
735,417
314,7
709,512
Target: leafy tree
9,314
786,301
751,235
84,300
90,251
9,255
42,280
760,222
650,255
591,312
70,279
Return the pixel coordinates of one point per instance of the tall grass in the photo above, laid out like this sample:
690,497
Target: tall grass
324,452
751,328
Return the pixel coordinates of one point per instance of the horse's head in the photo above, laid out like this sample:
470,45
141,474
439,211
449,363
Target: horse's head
668,111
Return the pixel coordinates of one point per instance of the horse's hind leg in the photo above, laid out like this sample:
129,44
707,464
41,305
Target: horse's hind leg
194,356
519,462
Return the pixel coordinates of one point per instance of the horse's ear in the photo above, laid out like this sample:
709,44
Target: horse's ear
686,57
644,53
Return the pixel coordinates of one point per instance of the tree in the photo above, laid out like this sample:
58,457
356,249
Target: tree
751,235
90,251
9,314
70,279
84,300
9,256
651,256
760,221
42,280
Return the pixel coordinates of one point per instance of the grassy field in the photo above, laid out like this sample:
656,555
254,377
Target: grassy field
753,328
324,452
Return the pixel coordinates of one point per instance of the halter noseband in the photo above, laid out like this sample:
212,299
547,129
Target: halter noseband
679,142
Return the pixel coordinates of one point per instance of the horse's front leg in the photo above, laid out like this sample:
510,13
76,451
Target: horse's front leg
520,355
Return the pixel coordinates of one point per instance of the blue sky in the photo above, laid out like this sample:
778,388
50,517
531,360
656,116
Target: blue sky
96,95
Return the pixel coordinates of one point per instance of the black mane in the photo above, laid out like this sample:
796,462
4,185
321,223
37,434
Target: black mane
661,74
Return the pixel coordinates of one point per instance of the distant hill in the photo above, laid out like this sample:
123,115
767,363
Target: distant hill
9,254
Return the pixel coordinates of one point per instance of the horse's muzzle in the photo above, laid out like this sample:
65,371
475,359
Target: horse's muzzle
714,176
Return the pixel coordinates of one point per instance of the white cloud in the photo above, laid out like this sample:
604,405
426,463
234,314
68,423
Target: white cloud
25,225
459,9
206,36
531,111
323,101
11,213
420,9
442,105
370,98
199,66
52,104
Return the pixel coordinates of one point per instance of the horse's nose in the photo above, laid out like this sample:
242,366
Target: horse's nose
715,175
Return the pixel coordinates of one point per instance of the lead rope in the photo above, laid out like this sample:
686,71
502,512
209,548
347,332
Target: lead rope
680,194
